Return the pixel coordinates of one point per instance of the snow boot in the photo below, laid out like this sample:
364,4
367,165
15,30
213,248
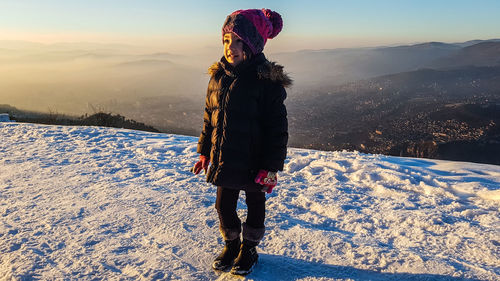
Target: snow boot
247,258
229,253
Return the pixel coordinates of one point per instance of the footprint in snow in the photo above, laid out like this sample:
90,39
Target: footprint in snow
297,164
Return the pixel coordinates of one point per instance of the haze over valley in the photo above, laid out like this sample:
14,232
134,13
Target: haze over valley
395,100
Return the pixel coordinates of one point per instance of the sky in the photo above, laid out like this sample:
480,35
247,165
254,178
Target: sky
190,25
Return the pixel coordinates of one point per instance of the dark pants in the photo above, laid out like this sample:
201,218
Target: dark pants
226,203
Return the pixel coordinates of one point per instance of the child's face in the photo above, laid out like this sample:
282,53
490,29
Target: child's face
233,49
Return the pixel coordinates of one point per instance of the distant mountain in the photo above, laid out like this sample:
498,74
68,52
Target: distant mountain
18,44
163,55
474,42
463,81
403,58
481,54
323,69
147,63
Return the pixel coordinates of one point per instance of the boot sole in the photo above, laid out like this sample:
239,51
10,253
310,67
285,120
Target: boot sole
223,268
243,272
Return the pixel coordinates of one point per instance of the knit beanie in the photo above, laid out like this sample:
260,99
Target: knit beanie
253,27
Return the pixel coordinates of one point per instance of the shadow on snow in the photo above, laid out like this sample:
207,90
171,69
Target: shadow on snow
273,267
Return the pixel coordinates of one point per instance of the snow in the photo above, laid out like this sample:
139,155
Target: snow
90,203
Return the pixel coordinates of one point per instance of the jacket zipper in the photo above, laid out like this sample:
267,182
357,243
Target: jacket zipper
218,143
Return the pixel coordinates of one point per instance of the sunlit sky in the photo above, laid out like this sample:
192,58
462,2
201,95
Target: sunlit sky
190,25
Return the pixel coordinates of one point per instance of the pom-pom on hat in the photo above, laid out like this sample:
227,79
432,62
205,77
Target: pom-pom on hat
253,27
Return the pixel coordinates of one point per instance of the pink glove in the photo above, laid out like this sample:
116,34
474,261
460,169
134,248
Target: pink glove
267,179
201,164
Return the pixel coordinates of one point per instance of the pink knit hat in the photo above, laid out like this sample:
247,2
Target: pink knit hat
253,27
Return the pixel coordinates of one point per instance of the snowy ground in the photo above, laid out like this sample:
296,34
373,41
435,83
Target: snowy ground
88,203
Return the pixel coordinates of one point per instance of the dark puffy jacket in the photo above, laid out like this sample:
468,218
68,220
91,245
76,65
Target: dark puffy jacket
245,125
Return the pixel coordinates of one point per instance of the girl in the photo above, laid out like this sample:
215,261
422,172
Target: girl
245,132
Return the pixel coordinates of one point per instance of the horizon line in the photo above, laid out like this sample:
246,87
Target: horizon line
163,44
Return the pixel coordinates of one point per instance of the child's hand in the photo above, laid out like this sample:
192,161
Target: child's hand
267,179
201,164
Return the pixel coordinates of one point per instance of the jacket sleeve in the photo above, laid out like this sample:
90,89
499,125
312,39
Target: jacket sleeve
275,129
205,142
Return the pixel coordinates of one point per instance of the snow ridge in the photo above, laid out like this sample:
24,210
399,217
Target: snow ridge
102,203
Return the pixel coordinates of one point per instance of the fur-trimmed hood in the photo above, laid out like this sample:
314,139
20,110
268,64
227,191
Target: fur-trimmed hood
266,70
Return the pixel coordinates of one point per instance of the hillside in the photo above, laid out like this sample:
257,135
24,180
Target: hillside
91,203
103,119
442,114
